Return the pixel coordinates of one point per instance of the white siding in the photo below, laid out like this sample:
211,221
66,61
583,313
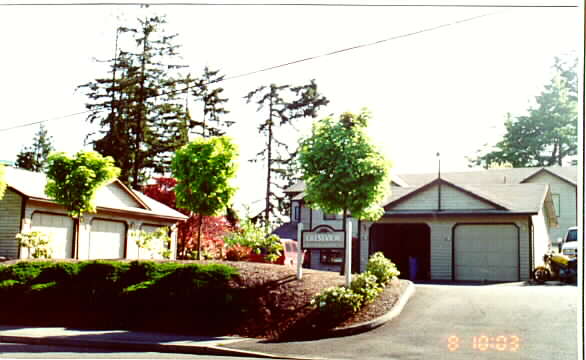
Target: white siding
424,200
454,199
541,240
451,199
114,196
10,212
567,192
318,219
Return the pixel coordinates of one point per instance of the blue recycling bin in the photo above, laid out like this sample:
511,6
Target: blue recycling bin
412,267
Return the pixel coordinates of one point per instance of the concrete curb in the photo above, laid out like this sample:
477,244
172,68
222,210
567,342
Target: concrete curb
372,324
140,346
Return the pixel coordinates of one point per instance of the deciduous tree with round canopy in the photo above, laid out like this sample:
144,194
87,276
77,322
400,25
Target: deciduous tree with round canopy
203,169
343,171
74,181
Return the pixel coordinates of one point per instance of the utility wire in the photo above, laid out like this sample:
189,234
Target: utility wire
336,52
311,4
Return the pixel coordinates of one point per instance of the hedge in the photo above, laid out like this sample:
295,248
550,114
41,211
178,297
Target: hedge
115,294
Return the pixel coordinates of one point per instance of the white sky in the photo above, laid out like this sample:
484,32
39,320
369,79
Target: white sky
446,90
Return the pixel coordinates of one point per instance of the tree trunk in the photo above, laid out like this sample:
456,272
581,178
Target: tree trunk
269,160
141,115
199,236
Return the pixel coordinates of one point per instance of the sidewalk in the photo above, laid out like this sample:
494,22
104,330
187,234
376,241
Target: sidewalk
141,341
123,340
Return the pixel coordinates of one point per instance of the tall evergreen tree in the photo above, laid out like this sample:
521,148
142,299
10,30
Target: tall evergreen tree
285,104
548,134
211,97
34,157
140,108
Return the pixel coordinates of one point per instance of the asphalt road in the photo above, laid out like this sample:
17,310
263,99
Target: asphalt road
519,322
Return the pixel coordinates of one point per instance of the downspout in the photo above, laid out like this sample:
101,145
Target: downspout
439,184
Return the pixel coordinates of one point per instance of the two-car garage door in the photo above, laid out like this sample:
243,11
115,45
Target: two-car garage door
486,252
107,239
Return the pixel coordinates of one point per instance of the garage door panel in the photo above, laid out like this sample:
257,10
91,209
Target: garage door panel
486,252
107,239
59,228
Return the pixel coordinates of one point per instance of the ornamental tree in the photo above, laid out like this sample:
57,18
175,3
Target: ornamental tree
342,170
214,228
74,181
203,169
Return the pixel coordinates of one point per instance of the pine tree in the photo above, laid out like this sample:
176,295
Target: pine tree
285,104
140,108
548,134
212,103
34,157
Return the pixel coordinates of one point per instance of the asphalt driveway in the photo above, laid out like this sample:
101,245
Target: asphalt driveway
519,322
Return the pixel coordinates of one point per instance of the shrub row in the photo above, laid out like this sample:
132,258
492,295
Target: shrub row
337,303
111,294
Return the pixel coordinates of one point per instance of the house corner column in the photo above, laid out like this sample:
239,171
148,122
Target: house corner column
174,229
364,243
26,226
132,250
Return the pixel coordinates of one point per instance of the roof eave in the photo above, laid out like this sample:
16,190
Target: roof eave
457,213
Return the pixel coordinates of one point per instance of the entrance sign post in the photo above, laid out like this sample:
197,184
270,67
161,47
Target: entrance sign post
299,251
347,269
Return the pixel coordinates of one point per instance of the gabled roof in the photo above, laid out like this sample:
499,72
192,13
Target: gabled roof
299,186
510,198
475,193
287,231
493,176
114,196
569,175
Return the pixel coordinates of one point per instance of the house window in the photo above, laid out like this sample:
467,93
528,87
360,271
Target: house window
556,203
330,257
330,216
296,213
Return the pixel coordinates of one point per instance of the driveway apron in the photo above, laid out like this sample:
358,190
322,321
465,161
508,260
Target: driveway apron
504,321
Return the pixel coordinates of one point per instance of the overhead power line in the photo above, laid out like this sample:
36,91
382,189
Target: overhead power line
336,52
305,4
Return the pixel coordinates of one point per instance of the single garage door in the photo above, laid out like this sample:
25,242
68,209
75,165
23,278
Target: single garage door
107,239
486,252
60,230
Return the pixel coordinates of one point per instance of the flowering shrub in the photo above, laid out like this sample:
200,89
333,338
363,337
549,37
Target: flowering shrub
366,285
382,268
337,301
238,252
257,239
37,243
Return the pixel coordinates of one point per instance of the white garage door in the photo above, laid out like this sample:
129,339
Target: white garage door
486,252
60,231
107,239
